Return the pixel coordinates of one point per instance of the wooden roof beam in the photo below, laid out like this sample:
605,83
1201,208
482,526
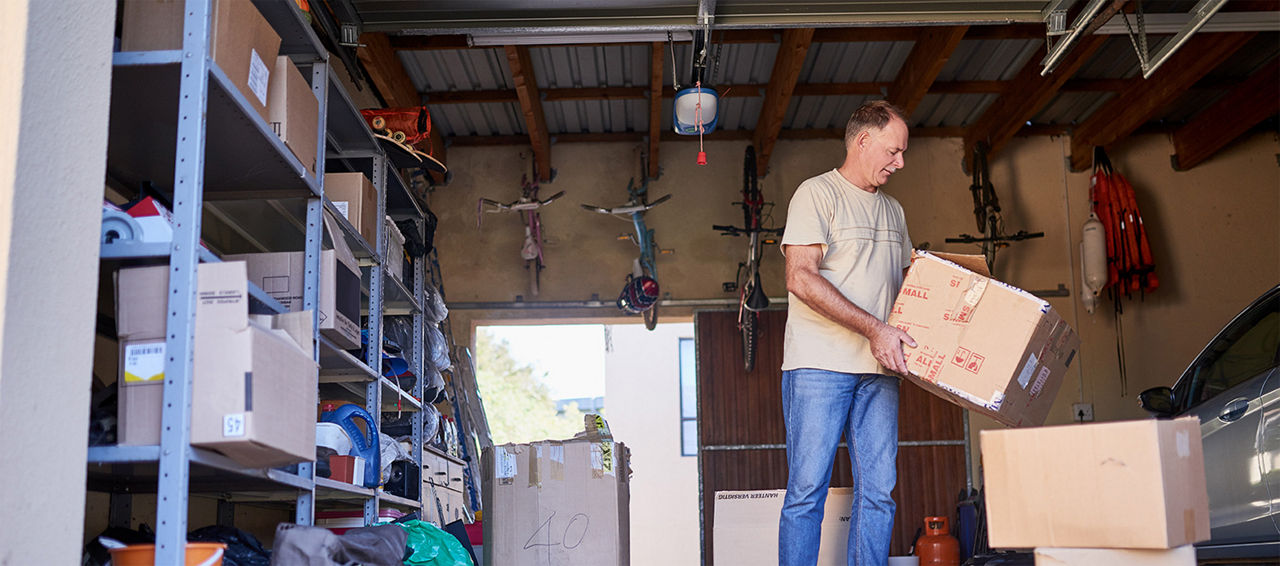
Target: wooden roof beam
782,82
1027,95
1133,107
531,106
391,80
656,53
929,54
1251,102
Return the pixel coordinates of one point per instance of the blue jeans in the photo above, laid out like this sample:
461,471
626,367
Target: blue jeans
817,406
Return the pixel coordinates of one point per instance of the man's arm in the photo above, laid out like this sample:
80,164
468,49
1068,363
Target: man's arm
804,281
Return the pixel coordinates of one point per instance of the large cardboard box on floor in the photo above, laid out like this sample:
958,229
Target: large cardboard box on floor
982,344
280,274
1129,484
253,376
356,198
1181,556
293,111
558,502
746,527
244,45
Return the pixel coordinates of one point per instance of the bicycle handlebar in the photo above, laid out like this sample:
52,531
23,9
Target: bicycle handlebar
734,230
967,239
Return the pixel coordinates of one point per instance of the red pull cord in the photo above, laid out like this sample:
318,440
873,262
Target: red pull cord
697,115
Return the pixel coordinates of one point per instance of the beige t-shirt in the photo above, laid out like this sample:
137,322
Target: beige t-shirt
865,247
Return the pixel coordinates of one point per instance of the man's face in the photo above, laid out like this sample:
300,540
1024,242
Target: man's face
880,153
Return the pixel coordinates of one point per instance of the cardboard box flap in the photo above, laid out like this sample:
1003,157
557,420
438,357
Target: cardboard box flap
339,242
974,263
293,326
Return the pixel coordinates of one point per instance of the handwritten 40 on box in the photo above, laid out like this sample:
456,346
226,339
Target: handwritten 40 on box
980,343
558,502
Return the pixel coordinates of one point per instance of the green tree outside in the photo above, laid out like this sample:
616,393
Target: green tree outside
517,401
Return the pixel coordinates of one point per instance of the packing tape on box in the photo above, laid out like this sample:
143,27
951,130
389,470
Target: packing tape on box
969,300
535,466
555,459
504,465
602,459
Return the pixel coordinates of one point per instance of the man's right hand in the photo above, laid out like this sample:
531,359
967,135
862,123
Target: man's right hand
886,346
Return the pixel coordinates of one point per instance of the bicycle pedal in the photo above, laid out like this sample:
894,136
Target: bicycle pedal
666,252
770,241
624,236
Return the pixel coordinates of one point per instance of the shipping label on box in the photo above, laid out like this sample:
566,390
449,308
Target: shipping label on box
982,344
361,198
1130,484
746,527
552,504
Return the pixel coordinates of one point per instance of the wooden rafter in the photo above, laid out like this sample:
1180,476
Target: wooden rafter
1131,108
782,81
723,135
391,80
531,106
1028,94
802,89
1253,101
656,53
930,53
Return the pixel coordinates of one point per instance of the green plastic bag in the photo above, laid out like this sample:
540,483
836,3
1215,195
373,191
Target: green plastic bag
433,547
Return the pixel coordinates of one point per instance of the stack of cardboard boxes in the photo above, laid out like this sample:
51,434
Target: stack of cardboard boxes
253,375
246,49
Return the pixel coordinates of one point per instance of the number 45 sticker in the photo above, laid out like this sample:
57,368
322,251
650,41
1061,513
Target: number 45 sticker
233,425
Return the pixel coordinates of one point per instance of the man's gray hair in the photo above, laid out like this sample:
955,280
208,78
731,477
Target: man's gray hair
875,114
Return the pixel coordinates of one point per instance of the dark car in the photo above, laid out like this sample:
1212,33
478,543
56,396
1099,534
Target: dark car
1233,387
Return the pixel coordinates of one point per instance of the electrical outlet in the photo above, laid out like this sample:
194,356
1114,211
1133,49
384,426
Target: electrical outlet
1082,412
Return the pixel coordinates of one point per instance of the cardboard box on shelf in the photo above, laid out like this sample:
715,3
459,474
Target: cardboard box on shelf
280,274
293,111
982,344
244,45
746,527
354,195
1129,484
252,377
1181,556
557,502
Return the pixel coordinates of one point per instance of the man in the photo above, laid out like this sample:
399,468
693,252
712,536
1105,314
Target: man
846,248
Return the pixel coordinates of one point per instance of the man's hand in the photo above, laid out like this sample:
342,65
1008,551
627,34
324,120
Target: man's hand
886,346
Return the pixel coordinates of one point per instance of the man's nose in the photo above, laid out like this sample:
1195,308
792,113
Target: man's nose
900,161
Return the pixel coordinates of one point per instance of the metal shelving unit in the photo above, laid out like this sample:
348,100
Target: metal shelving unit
181,119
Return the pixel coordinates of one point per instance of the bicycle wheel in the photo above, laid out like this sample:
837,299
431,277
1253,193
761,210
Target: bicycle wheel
750,190
989,247
749,322
651,318
534,275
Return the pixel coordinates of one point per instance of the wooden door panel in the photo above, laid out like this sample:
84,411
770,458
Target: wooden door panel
742,437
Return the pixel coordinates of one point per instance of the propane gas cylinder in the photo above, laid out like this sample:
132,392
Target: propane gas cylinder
937,547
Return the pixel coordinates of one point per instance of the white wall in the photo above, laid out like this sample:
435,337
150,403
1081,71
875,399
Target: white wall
55,71
642,401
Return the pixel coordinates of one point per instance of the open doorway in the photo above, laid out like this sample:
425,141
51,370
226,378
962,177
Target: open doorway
537,380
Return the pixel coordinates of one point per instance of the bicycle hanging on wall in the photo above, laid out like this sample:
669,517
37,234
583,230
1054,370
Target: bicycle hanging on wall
751,296
641,293
527,205
986,210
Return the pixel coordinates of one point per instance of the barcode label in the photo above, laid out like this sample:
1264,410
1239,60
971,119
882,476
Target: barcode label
144,362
